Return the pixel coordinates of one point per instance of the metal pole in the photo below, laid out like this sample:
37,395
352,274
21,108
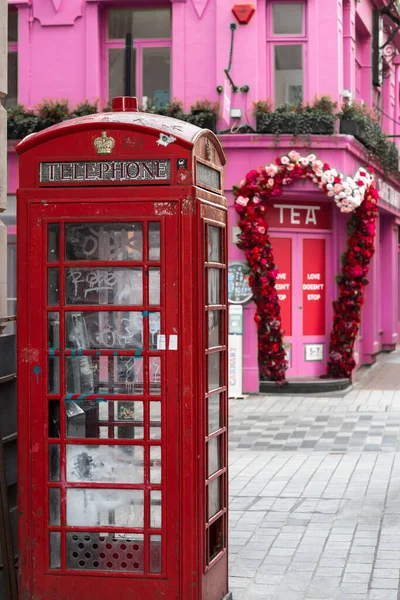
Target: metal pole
128,64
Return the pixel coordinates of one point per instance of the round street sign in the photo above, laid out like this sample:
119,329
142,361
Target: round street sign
239,291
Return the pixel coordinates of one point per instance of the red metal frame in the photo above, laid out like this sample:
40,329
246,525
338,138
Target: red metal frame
194,545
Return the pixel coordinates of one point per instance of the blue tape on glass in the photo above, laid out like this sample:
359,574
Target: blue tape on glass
145,313
80,351
52,351
138,352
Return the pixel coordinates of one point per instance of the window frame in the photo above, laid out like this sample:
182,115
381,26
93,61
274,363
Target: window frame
285,39
139,45
12,48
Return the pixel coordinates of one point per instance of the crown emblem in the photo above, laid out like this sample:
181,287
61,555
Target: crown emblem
104,144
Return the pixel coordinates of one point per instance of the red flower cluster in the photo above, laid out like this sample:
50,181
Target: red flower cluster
251,205
352,282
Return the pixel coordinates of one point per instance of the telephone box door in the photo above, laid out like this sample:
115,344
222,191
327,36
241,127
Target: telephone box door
103,390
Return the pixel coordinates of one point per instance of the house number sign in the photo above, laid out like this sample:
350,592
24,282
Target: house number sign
112,170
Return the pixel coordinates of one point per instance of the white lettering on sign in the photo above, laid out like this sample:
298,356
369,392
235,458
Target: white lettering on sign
310,215
113,170
281,276
313,286
389,194
282,286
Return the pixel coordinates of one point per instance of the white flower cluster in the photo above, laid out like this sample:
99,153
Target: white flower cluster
347,192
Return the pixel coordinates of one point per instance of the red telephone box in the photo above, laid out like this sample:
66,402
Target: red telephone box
122,341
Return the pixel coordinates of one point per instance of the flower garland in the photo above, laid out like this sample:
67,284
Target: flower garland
251,205
352,282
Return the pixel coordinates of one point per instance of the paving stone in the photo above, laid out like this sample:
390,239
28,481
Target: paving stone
314,495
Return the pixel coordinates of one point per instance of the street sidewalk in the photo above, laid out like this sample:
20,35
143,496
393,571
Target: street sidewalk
314,493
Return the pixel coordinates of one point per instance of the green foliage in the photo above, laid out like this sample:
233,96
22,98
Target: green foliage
298,119
174,109
20,122
84,108
205,107
261,107
369,132
51,112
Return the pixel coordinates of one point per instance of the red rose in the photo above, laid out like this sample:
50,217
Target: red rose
360,183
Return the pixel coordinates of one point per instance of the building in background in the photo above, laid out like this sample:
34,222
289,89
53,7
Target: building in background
287,52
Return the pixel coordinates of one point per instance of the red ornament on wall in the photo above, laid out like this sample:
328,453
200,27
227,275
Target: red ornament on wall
243,12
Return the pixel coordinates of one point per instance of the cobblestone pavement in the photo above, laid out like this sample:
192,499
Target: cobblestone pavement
315,493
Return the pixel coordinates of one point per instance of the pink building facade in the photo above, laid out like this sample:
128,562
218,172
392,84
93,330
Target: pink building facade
289,51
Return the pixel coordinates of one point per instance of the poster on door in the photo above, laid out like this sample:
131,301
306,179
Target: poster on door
282,248
314,286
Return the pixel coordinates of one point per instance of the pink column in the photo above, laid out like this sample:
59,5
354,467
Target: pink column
349,45
389,282
325,47
369,316
92,53
178,49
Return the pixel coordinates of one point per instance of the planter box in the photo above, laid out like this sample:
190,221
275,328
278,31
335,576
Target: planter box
349,127
320,128
263,124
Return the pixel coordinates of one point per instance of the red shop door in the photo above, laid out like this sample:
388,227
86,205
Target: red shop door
104,418
303,285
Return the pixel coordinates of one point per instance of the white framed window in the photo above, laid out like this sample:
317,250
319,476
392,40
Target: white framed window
151,30
287,43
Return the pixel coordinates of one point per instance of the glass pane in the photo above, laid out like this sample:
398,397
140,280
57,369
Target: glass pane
54,506
155,509
53,375
141,22
104,375
93,551
156,71
214,371
214,497
154,286
154,241
214,244
104,241
154,329
155,554
104,286
155,420
214,455
108,507
214,286
12,79
288,74
98,418
54,462
55,550
53,321
106,330
214,328
12,25
52,287
105,464
54,419
53,237
155,375
214,413
155,464
288,18
116,72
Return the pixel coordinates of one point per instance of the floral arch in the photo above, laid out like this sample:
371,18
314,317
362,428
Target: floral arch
356,195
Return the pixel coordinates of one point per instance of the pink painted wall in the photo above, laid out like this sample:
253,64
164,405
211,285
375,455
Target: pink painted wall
60,50
60,57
